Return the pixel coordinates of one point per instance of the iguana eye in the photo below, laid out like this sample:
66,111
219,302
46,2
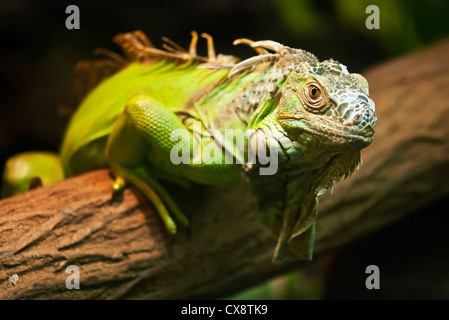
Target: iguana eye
313,97
314,92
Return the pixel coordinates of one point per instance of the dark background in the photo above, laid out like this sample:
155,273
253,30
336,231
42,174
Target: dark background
38,55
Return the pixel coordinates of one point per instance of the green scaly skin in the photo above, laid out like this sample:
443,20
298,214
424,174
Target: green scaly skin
314,115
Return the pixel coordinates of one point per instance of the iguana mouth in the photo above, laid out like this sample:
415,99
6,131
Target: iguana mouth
341,137
367,131
364,135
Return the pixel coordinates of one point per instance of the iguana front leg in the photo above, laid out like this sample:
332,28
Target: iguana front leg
144,124
139,148
297,232
287,204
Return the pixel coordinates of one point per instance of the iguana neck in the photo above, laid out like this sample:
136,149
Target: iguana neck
232,102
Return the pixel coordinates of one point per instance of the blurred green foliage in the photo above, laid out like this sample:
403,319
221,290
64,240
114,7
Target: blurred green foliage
404,25
305,285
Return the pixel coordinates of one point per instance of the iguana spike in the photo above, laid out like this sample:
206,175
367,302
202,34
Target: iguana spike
143,38
192,47
174,45
210,47
168,48
132,44
216,66
136,47
173,55
250,43
268,44
248,63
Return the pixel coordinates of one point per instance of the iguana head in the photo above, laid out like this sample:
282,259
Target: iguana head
324,100
318,110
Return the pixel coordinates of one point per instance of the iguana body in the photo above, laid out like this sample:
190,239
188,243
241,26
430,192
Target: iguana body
313,116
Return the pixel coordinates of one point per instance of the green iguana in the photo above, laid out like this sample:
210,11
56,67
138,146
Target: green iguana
166,115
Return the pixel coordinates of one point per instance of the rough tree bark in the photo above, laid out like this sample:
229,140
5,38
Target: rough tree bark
122,250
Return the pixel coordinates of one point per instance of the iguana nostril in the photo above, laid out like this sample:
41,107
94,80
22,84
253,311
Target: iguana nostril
356,119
